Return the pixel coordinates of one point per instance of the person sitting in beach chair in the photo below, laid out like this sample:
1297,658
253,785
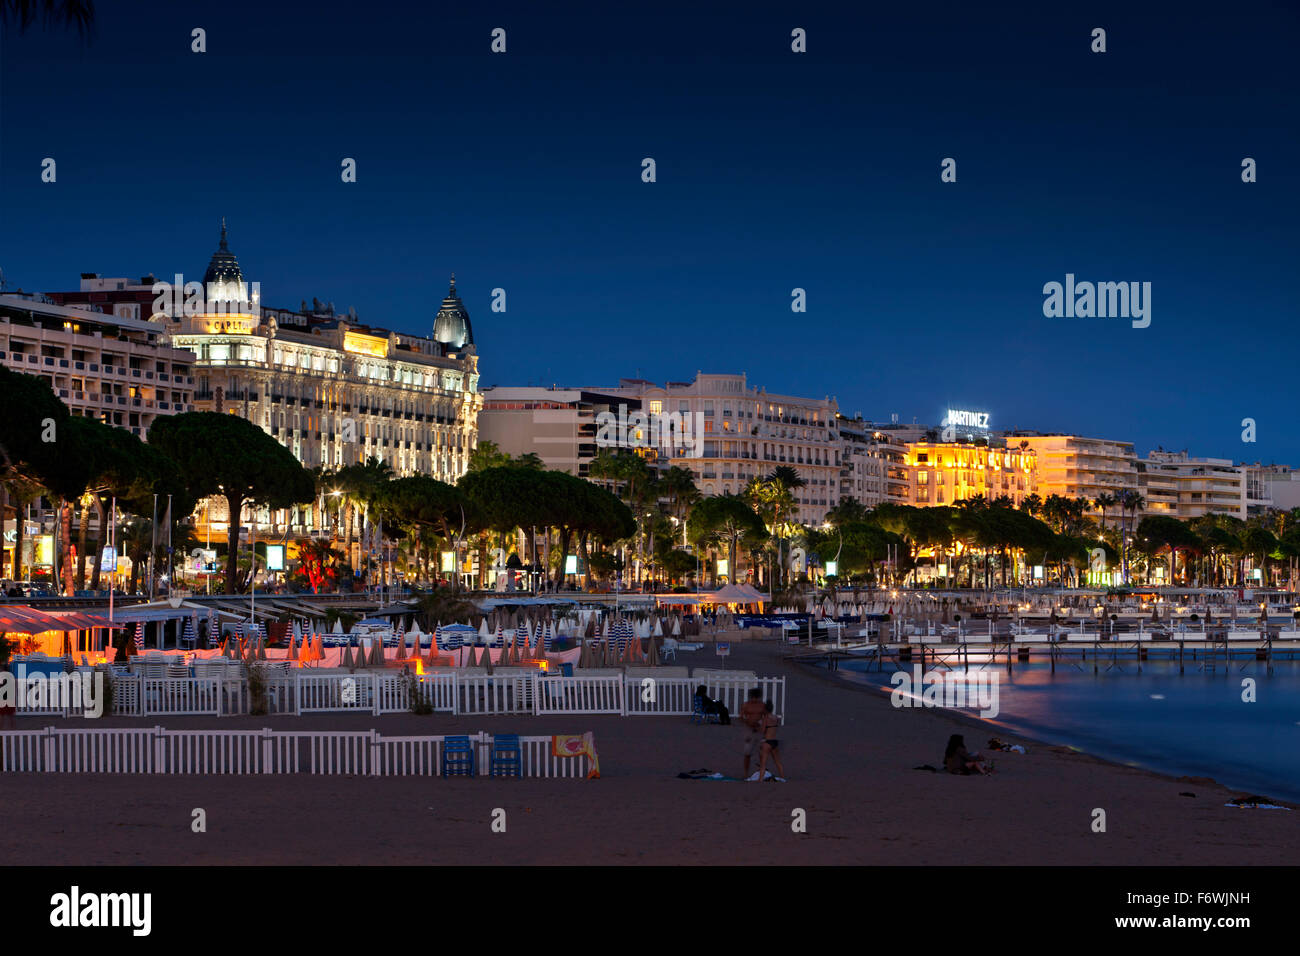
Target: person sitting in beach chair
957,760
708,709
769,745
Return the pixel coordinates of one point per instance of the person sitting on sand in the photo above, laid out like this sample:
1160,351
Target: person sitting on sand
751,713
711,706
769,745
957,760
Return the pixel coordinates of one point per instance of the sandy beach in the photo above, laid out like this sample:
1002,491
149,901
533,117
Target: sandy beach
848,753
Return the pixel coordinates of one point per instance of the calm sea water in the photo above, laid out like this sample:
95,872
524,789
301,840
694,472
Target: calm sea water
1195,723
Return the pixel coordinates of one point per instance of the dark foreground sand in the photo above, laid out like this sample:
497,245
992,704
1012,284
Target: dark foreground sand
848,753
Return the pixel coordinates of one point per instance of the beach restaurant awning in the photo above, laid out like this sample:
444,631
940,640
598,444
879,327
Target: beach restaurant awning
140,612
731,594
28,620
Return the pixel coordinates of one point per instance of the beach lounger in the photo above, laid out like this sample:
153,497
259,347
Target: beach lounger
457,757
699,715
506,757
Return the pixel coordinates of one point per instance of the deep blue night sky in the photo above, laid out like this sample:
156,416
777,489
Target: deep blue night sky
775,170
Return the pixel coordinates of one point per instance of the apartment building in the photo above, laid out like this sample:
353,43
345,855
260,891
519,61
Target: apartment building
745,433
118,369
1180,486
1076,467
873,462
559,425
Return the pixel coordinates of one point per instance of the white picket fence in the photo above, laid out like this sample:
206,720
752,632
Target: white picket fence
667,696
318,692
355,753
580,695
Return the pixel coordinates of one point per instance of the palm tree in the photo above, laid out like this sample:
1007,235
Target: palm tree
677,484
1101,503
1134,502
22,492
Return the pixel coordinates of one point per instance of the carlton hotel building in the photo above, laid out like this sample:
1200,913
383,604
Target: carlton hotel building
334,391
330,389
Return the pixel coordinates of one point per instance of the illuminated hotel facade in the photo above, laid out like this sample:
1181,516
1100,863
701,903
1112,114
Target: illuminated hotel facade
335,392
945,473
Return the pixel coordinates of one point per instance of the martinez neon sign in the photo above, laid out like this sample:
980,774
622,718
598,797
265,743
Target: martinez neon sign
967,419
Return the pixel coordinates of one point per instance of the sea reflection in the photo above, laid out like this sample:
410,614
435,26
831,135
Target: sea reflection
1198,723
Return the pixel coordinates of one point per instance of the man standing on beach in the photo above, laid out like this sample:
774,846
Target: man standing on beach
751,714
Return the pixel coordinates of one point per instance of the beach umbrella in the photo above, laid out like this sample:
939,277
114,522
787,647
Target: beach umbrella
652,657
433,647
318,649
659,627
377,651
261,650
487,659
471,661
483,631
677,626
346,660
338,627
293,648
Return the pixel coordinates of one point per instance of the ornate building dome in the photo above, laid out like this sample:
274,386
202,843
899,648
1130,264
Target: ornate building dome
223,280
451,325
